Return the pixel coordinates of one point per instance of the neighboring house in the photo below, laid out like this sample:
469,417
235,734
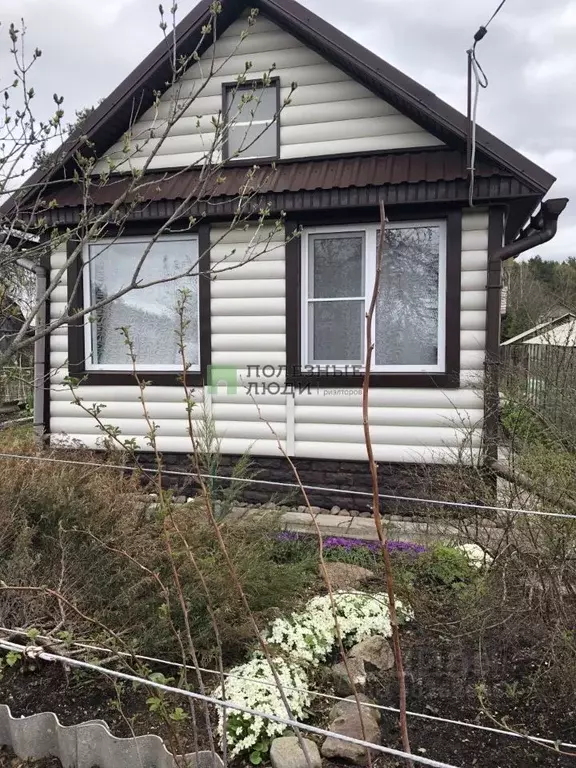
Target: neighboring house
357,132
559,332
540,368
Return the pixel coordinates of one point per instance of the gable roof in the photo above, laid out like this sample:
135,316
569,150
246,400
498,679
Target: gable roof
136,93
542,329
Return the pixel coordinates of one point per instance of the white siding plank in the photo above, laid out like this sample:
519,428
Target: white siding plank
473,301
389,417
474,281
253,270
475,240
245,290
472,320
251,325
249,342
245,359
396,398
129,395
474,260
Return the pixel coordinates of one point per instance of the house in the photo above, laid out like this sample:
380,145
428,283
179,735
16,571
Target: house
276,341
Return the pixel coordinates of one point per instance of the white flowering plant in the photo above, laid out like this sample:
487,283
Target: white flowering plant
301,641
253,686
475,555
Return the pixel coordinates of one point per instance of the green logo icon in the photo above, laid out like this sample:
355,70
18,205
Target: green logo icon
222,376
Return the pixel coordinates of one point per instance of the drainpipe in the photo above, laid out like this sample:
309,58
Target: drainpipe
541,229
40,346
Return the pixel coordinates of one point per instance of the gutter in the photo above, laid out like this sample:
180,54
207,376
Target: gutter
541,229
40,347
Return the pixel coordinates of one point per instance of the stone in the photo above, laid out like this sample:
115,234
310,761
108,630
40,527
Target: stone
374,651
350,725
347,576
285,752
316,510
344,683
343,513
180,500
354,513
302,509
335,510
349,706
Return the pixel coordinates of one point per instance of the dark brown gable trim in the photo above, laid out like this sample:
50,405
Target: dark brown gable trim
448,380
76,343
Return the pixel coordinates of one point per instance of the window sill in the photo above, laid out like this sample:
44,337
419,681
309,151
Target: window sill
377,380
128,379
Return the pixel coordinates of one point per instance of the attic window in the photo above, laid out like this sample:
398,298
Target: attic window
252,121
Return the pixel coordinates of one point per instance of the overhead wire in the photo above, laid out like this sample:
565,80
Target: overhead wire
33,651
476,72
293,486
312,692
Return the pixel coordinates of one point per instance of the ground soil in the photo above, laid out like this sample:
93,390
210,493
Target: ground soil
442,672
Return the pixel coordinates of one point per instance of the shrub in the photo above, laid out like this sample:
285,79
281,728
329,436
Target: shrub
443,567
87,534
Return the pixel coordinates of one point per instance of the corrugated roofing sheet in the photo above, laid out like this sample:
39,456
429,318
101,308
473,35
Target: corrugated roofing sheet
343,173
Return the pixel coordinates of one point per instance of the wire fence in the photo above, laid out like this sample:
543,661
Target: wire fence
38,652
16,384
314,693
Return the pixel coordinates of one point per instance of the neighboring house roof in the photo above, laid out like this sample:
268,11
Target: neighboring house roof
136,94
560,332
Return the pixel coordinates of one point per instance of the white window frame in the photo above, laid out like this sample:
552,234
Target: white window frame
370,257
90,319
229,89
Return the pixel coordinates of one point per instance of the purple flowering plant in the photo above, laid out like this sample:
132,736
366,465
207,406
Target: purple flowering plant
344,549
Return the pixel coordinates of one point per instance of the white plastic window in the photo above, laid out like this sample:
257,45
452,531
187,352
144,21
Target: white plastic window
150,314
339,270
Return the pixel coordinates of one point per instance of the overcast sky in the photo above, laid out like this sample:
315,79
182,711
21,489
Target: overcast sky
529,57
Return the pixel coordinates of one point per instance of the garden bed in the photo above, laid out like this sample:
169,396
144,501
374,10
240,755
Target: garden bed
494,646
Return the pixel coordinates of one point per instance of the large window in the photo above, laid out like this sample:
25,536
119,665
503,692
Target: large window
252,129
339,269
149,313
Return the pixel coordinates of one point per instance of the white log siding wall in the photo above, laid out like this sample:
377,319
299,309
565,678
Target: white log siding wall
329,112
248,329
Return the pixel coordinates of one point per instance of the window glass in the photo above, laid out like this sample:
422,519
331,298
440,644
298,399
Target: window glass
337,331
407,308
149,313
338,265
252,131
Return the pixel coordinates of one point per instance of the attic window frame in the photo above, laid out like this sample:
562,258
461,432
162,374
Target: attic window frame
249,85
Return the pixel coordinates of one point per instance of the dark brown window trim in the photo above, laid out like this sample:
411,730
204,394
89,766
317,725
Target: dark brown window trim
248,86
76,345
448,380
496,228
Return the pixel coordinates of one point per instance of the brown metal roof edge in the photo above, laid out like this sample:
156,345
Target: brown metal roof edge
136,92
